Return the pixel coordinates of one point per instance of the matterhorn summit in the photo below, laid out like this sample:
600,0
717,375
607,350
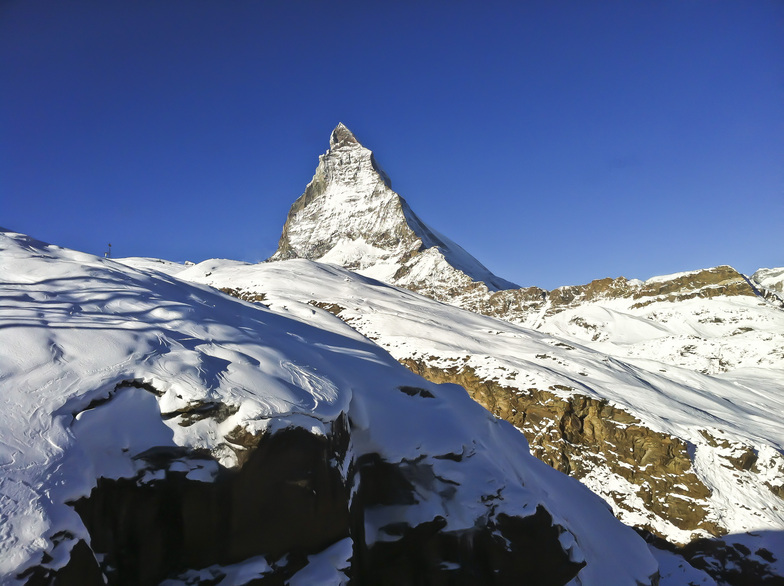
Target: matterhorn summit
350,216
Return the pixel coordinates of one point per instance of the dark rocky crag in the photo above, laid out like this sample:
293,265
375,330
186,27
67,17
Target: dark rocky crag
289,500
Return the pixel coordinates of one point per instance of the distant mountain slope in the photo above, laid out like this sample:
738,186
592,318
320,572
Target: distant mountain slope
771,280
712,320
153,429
671,448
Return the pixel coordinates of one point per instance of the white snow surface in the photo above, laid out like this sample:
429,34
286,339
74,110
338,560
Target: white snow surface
743,406
713,336
80,334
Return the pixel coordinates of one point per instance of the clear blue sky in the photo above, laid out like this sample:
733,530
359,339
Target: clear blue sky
556,141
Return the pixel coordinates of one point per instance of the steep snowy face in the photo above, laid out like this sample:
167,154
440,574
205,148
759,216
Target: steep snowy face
349,215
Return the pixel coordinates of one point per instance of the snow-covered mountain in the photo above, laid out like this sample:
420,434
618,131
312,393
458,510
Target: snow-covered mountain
771,280
159,431
155,428
663,396
349,215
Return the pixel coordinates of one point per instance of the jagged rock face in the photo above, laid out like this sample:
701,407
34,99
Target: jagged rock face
287,502
349,215
347,204
579,434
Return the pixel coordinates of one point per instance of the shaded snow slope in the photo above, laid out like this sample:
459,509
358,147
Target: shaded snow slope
349,215
101,364
718,417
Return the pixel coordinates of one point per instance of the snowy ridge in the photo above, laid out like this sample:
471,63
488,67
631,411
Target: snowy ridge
101,363
708,320
711,336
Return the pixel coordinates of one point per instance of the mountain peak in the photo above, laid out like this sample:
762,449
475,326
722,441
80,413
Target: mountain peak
350,216
341,136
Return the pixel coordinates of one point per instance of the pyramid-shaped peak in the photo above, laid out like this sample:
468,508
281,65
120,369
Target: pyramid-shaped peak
341,136
350,216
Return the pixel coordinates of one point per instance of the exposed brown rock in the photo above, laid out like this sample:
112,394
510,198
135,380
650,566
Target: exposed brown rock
245,295
332,308
516,305
578,433
743,457
341,136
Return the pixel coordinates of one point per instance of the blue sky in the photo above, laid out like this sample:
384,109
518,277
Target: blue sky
558,142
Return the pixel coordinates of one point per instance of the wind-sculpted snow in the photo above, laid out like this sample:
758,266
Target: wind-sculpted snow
102,367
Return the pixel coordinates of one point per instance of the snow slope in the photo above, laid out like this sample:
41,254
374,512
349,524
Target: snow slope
738,410
100,362
770,279
712,335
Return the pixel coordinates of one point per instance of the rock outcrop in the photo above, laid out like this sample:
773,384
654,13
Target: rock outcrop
289,501
530,305
579,435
